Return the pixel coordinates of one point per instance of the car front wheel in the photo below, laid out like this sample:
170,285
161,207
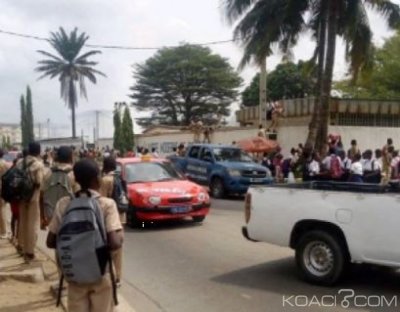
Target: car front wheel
198,219
321,258
217,188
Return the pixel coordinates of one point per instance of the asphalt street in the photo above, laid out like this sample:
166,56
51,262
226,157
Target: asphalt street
181,267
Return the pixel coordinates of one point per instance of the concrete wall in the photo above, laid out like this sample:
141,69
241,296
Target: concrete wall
59,142
288,137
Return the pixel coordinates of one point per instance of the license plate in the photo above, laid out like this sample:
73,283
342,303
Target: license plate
180,209
256,180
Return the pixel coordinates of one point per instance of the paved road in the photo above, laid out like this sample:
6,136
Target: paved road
187,267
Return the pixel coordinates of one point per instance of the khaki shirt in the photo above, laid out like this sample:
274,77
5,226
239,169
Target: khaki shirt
3,169
36,171
108,207
107,185
64,167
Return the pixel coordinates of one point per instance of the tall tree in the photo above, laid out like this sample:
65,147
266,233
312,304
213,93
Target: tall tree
118,135
29,116
287,80
23,123
183,83
127,130
70,67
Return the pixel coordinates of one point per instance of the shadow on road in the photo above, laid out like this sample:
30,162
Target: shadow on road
163,226
281,277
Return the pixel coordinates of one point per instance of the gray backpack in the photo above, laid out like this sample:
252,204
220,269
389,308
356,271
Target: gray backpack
55,188
82,248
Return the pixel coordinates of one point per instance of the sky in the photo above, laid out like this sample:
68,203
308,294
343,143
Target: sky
142,23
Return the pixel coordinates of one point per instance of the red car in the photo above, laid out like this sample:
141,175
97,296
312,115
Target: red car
156,191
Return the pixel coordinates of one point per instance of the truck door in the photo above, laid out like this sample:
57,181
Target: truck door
206,164
193,163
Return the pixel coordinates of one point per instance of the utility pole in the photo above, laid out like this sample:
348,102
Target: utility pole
97,132
48,128
40,131
263,90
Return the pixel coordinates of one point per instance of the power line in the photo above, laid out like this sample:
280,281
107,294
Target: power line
114,47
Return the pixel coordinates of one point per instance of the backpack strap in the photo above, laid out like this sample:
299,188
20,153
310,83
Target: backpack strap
59,292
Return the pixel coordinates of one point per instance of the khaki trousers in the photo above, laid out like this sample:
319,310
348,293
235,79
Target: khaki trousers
117,261
28,225
91,298
3,225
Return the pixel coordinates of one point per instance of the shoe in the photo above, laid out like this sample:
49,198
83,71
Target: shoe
28,258
4,236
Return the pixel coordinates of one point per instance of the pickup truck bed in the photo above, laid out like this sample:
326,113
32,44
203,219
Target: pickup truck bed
328,224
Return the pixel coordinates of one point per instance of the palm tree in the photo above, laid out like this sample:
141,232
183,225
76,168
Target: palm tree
263,24
69,67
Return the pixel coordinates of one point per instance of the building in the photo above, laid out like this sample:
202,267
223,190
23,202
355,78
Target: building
11,130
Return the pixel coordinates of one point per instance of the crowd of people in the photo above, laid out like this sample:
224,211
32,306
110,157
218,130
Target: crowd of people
379,166
53,180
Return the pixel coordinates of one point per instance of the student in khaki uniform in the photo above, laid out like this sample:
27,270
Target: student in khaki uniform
3,226
106,190
63,161
29,210
95,297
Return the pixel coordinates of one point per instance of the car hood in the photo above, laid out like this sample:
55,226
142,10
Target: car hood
242,165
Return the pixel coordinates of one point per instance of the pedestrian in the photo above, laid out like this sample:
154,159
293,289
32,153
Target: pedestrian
58,182
107,189
96,296
386,172
154,153
261,131
356,170
14,205
3,225
29,211
371,170
354,150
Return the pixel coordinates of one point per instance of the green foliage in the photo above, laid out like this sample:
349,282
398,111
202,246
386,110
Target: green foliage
287,81
23,122
127,130
30,135
6,142
118,135
69,66
383,81
183,83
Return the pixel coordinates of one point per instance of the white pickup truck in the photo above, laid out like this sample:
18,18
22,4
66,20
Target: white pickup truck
329,225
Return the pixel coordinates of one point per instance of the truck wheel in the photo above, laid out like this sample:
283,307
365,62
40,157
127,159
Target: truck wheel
320,257
198,219
217,188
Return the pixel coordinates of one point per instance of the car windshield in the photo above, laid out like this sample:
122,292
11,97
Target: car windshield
150,172
9,157
231,154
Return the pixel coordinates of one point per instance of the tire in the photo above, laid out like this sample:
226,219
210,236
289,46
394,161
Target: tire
198,219
132,220
321,258
217,188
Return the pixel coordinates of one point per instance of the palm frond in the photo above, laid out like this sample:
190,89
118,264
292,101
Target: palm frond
234,9
388,9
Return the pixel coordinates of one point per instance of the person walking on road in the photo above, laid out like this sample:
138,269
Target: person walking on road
96,296
3,225
29,209
107,190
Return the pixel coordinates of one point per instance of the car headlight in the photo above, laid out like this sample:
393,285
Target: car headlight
234,173
202,197
154,200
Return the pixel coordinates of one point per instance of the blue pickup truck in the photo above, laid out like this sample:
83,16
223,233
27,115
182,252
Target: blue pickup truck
225,169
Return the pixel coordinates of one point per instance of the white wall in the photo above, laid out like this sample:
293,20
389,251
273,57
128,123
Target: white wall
288,137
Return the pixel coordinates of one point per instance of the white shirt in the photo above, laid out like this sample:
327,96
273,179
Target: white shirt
395,162
155,155
346,164
368,165
313,168
327,161
378,164
356,168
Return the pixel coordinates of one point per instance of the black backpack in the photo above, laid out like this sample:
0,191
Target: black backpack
119,194
17,183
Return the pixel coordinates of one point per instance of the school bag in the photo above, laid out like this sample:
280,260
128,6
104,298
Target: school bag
119,194
336,169
56,187
82,247
17,183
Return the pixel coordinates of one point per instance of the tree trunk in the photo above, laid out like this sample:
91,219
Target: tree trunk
327,78
73,121
263,89
316,116
72,103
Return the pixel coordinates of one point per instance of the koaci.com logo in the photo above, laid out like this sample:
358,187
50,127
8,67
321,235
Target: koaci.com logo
345,298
